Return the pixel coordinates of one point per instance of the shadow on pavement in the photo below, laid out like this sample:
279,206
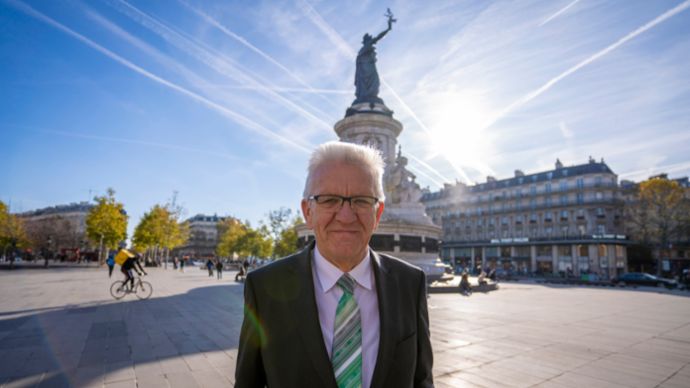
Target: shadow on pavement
118,340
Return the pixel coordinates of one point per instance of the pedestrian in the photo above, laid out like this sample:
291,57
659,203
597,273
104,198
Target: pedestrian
175,262
111,263
320,317
209,266
219,269
182,264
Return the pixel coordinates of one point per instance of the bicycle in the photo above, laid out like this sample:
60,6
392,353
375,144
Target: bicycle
141,288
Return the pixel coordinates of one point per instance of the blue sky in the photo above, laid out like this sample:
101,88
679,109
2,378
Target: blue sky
221,101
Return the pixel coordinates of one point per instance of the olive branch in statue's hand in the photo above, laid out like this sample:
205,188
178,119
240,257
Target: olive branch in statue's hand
389,15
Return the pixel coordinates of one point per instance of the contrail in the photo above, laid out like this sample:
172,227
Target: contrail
250,46
659,169
535,93
562,10
278,89
427,176
240,119
211,58
173,147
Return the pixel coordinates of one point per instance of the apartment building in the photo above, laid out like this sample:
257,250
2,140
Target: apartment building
565,220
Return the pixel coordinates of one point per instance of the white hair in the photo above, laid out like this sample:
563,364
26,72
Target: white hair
340,152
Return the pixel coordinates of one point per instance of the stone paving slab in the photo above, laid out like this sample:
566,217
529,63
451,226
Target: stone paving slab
59,327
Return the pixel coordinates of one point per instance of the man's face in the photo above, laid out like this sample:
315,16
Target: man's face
342,235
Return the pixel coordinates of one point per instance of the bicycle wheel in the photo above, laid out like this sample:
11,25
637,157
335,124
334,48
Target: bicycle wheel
143,290
117,290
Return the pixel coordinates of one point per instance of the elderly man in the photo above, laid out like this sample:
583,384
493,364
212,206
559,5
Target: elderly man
337,314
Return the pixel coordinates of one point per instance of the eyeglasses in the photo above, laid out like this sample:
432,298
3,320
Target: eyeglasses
358,203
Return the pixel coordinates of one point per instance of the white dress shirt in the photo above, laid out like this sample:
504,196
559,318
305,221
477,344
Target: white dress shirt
326,276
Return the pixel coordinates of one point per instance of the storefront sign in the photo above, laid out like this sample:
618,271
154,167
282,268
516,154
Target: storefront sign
509,240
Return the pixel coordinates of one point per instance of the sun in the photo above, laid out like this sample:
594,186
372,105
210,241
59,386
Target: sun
458,134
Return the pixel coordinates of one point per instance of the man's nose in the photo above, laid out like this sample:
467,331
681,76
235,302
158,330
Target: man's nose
346,214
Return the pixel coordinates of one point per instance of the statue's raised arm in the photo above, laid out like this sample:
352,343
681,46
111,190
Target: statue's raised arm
388,14
366,77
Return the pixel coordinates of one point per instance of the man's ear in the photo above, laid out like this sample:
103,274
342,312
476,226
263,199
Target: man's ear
379,212
307,213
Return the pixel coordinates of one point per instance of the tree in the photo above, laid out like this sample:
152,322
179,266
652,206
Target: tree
240,238
12,233
659,215
282,229
106,223
159,229
286,243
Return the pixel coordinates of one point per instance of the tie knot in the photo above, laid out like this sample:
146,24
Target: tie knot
347,283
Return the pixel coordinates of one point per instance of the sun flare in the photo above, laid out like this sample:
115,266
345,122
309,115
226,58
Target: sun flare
458,134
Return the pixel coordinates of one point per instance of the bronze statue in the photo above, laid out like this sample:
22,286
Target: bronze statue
366,77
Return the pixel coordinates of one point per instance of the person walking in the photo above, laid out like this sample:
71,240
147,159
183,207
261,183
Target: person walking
182,264
219,269
209,266
110,261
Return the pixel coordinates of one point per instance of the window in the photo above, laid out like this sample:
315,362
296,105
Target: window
544,250
564,200
602,250
518,219
564,185
564,231
547,187
564,215
599,195
547,201
548,216
600,213
580,183
580,197
580,214
533,218
504,220
549,175
597,181
601,229
620,251
533,203
533,190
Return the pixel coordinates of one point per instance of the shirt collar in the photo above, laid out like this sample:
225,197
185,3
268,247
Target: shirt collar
328,274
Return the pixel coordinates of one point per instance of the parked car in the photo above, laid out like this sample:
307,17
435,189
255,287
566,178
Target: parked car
643,279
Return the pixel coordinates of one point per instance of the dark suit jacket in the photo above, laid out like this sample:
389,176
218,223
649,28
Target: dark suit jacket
281,344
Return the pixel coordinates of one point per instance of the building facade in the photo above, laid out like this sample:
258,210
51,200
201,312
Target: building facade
59,229
565,220
203,237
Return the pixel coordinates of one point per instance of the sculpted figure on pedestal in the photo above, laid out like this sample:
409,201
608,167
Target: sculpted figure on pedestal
400,185
366,76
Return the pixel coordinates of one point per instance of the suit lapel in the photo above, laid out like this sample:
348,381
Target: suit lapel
386,291
308,320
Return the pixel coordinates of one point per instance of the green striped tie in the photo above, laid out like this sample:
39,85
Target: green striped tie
347,338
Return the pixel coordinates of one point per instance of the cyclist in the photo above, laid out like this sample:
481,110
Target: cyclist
128,262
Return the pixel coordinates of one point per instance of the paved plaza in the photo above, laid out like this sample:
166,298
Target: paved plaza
60,327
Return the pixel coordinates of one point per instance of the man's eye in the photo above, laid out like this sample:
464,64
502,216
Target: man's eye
362,201
329,201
